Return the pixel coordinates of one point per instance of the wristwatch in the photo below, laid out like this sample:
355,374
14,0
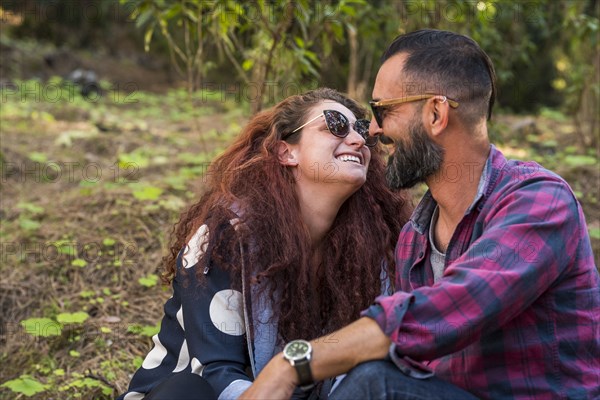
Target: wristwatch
298,353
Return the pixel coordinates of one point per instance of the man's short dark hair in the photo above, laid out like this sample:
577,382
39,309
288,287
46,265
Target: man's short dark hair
450,64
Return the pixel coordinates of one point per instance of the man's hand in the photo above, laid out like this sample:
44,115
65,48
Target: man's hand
332,355
276,381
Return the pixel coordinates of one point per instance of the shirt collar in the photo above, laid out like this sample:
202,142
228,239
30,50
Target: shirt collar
421,217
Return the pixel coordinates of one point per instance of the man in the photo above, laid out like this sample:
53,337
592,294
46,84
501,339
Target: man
498,295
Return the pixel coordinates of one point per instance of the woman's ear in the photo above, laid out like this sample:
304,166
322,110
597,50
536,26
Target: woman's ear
286,154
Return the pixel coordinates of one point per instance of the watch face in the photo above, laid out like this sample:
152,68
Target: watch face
297,349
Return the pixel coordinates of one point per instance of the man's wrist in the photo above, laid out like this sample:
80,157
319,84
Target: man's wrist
288,372
298,354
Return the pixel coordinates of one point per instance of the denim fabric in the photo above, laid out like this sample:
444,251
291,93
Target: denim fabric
382,380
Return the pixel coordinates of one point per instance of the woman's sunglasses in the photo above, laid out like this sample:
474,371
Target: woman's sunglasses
339,126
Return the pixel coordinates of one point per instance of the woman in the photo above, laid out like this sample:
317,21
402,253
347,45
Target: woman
292,239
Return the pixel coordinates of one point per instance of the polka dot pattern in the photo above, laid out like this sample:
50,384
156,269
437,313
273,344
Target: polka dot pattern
156,355
209,339
196,247
180,317
226,312
134,396
197,367
184,358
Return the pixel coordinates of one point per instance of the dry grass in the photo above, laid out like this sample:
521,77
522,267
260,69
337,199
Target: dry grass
122,237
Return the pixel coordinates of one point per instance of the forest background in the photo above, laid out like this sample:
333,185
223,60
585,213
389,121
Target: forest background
111,113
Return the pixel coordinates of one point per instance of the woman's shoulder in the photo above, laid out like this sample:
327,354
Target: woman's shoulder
210,244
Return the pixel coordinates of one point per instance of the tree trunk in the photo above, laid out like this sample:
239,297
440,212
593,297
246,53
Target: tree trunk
586,119
351,87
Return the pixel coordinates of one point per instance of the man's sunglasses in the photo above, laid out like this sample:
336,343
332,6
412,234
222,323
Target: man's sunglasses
378,107
339,126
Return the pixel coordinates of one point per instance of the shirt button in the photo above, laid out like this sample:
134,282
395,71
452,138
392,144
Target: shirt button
421,254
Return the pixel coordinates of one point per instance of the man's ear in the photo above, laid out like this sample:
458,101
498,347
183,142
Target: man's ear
437,114
286,154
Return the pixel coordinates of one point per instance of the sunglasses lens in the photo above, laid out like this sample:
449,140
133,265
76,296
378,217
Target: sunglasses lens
361,126
337,123
377,113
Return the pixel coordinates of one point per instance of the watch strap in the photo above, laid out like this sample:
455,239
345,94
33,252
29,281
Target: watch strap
305,378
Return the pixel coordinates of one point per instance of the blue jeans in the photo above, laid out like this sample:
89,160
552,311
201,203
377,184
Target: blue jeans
382,380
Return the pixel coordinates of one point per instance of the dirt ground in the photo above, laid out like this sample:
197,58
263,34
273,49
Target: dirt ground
90,191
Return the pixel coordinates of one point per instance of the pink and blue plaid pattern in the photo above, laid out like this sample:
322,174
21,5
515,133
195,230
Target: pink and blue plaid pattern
517,313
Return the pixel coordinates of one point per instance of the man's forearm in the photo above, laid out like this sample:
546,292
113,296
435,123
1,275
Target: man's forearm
338,353
333,355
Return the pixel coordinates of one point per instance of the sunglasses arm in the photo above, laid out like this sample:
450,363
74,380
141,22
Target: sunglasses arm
308,122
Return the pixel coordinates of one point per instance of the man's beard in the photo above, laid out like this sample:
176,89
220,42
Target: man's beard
414,160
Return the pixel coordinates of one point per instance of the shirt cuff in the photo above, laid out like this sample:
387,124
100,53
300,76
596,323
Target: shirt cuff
408,366
389,311
234,390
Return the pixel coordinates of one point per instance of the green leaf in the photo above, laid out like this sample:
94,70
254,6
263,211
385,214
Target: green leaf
148,39
571,149
137,362
29,224
580,161
150,330
172,12
79,262
65,247
72,318
108,242
137,158
37,157
338,30
147,193
32,208
143,18
595,233
193,17
43,327
26,385
147,330
247,65
149,281
74,353
87,294
345,9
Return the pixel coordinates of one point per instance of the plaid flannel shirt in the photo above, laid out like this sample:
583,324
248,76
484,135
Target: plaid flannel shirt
517,312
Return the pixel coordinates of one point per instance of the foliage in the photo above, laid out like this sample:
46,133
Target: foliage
85,309
543,50
43,327
579,63
149,281
26,385
82,253
539,47
183,25
80,271
265,42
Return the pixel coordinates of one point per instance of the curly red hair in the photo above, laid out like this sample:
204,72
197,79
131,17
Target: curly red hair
312,300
